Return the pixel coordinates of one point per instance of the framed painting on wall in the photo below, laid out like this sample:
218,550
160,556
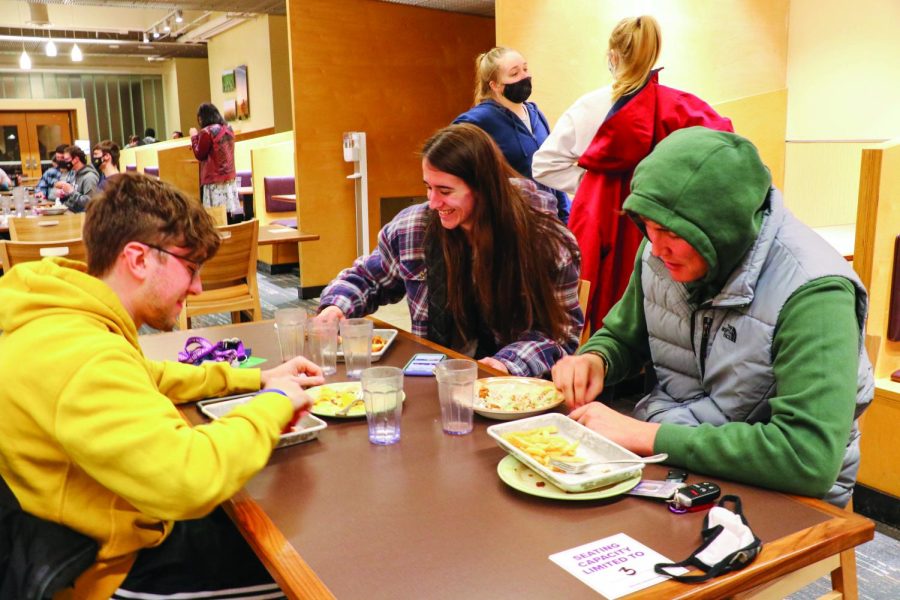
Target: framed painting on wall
228,81
229,110
243,92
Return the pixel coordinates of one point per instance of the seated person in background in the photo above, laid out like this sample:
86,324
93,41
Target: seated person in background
752,323
5,182
133,141
149,136
76,189
485,272
45,187
177,135
92,438
105,158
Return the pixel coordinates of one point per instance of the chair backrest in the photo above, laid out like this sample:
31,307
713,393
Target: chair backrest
151,171
236,259
13,253
218,214
279,185
43,229
244,178
584,294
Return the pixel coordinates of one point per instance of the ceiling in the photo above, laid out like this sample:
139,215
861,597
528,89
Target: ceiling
115,29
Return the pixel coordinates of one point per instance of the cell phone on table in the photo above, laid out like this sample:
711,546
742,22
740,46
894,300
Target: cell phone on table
422,364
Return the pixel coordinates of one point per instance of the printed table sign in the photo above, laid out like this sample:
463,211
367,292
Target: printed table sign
614,566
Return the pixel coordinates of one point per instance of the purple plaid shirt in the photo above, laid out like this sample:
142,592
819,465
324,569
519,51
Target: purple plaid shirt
397,268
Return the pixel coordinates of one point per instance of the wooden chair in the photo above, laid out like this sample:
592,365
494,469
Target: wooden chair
218,214
584,294
45,229
229,278
13,253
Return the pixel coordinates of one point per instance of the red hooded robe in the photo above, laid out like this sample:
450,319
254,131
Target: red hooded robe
608,239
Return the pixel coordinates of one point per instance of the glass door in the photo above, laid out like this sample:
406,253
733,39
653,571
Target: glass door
30,139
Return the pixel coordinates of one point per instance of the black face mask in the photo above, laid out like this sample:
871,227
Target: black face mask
97,162
519,91
65,164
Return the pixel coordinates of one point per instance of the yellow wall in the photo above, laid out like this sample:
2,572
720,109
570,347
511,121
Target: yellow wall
279,50
843,70
720,51
249,44
397,73
192,81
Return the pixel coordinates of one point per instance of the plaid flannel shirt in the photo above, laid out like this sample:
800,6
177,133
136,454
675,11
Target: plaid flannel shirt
397,268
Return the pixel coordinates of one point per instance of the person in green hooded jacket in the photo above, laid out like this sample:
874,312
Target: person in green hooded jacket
752,324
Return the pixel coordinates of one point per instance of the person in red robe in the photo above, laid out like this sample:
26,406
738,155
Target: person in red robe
597,144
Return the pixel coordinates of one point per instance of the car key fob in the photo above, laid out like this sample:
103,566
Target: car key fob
678,475
696,494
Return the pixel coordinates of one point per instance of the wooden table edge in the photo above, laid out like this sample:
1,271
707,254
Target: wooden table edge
844,531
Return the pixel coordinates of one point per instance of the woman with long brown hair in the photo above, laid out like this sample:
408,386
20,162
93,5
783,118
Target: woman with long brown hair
486,267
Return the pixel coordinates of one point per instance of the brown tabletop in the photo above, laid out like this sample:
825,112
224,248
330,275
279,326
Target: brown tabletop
245,189
277,234
285,197
429,517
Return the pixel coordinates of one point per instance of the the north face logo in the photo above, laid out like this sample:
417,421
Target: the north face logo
730,333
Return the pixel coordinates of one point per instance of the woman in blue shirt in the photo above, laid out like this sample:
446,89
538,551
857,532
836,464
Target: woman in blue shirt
502,88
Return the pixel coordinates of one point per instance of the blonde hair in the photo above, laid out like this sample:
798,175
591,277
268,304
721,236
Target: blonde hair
636,42
486,66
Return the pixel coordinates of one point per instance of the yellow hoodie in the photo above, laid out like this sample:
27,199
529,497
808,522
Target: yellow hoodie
91,437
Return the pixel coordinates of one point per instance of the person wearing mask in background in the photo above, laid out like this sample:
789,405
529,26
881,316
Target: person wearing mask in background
502,88
468,262
752,324
213,145
106,160
92,436
76,191
149,136
44,188
177,135
597,143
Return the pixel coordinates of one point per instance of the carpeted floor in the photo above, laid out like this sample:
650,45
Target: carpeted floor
878,561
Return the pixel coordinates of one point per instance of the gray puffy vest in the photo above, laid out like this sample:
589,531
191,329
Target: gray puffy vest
702,376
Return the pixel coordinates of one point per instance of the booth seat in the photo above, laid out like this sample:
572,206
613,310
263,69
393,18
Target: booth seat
151,171
130,168
275,186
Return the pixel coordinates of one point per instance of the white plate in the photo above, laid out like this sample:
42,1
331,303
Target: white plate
519,477
306,429
521,386
351,389
53,210
592,447
388,334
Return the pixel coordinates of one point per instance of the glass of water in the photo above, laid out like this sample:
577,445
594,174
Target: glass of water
382,389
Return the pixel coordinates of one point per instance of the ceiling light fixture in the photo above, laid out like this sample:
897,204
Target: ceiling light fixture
50,49
155,32
179,17
146,38
76,54
24,61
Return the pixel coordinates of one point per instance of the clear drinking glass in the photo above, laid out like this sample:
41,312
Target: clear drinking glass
290,325
356,341
456,391
322,343
383,394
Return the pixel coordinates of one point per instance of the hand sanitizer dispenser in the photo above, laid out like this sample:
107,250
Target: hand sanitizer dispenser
354,148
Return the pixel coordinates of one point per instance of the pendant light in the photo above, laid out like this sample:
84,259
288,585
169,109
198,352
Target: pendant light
24,60
50,48
76,54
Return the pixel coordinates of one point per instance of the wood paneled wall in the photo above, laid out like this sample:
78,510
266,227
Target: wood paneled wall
397,73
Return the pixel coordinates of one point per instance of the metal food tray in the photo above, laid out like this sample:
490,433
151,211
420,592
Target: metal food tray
305,430
389,336
592,447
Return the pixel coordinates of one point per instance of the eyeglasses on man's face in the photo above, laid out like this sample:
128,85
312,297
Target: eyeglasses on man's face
192,266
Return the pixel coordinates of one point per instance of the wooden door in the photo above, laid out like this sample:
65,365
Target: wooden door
29,139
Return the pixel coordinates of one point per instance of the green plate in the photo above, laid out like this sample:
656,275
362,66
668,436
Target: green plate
519,477
327,409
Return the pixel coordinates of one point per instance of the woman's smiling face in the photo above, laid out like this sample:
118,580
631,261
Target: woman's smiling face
450,197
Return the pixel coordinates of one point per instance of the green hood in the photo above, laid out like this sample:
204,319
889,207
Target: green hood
708,187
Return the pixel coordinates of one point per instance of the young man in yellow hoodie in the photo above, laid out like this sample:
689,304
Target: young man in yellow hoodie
92,438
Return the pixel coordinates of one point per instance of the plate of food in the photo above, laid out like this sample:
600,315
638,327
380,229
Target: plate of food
381,341
304,430
508,398
333,400
536,441
52,210
519,477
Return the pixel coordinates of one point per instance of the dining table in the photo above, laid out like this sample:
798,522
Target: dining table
429,517
273,233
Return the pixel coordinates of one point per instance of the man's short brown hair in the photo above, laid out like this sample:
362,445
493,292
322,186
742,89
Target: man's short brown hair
137,208
109,147
76,152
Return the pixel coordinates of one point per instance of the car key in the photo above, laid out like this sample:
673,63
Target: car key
678,475
697,494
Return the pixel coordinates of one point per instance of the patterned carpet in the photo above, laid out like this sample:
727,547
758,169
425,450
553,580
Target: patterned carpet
878,561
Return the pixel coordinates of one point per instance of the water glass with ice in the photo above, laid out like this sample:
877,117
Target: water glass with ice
456,391
356,340
290,325
383,394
